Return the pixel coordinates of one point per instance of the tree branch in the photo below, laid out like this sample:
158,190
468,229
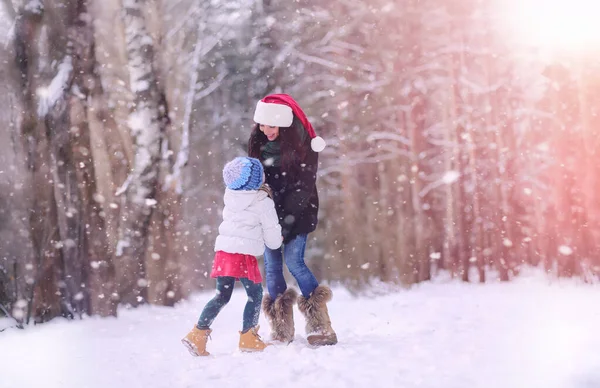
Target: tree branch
8,315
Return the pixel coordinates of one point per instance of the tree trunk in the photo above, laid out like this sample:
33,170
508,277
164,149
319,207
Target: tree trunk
386,233
86,263
100,269
147,129
450,233
40,293
422,232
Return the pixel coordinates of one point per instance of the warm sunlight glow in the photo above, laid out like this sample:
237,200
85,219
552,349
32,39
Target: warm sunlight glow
555,25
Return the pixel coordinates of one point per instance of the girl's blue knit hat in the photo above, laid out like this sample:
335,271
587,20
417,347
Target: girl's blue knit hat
243,173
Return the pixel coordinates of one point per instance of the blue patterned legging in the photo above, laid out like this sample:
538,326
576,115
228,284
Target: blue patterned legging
225,286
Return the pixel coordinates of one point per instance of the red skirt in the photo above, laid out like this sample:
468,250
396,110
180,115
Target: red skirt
236,265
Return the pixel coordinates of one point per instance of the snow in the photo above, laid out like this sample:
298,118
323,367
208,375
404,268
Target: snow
121,245
48,96
448,178
527,333
138,43
565,250
139,120
123,188
34,6
151,202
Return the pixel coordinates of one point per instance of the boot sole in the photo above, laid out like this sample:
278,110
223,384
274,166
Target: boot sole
277,342
251,350
322,341
192,349
282,339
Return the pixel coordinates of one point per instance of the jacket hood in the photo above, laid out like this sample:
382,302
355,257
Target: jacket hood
238,200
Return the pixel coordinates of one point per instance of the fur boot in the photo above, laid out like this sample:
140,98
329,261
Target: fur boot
280,314
196,340
250,341
318,325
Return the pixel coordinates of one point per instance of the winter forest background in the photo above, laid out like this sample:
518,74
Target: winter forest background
451,146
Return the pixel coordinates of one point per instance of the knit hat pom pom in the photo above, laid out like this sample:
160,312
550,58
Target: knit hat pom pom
317,144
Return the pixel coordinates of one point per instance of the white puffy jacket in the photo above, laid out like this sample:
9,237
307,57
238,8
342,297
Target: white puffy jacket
249,223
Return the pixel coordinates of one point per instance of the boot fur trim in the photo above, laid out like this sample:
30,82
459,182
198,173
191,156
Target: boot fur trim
318,323
280,314
317,300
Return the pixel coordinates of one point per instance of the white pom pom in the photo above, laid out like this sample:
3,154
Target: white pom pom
317,144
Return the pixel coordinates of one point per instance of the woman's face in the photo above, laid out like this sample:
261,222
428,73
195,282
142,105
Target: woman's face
271,133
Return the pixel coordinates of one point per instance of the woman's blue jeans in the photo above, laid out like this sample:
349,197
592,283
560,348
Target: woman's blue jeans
293,253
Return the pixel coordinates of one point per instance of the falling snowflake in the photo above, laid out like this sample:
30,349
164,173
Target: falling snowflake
565,250
450,177
142,282
21,304
18,314
99,198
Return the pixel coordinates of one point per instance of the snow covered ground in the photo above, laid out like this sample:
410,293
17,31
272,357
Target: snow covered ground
528,333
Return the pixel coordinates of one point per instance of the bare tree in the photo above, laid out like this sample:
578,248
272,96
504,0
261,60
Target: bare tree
147,122
86,267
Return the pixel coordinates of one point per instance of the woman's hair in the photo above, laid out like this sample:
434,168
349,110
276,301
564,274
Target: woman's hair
293,149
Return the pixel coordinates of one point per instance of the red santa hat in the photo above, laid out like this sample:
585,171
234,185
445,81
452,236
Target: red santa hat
278,110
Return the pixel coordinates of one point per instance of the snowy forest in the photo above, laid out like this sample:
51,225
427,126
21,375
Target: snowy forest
450,148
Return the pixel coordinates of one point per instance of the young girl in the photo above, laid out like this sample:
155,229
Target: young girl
249,223
286,143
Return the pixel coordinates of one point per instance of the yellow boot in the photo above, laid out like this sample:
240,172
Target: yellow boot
196,340
250,341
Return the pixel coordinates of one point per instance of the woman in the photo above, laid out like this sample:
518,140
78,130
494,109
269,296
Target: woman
285,142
